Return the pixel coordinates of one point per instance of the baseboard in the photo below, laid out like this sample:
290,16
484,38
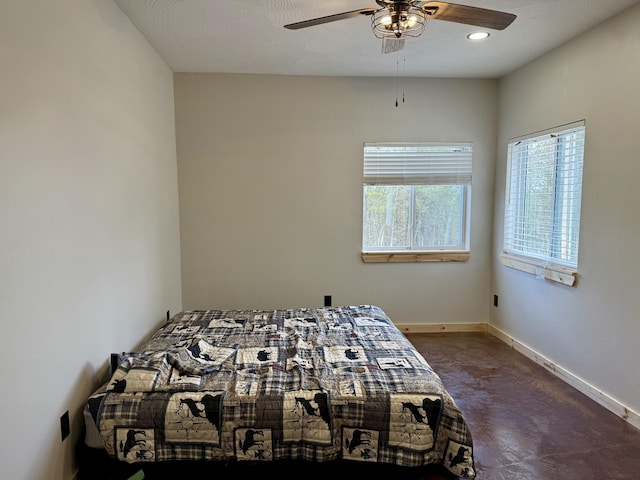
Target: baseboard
442,327
578,383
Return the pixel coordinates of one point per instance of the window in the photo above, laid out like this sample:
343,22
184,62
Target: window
542,203
416,200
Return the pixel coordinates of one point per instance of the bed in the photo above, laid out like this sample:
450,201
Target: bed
305,384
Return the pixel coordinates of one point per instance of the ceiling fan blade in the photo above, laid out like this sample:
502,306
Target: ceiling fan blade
330,18
480,17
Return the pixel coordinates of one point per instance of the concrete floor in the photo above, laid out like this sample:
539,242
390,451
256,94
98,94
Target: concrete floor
526,423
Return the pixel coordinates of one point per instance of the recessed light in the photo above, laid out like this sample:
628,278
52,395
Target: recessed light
477,35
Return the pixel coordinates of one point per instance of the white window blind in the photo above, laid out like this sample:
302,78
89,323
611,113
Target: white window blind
543,197
416,197
417,163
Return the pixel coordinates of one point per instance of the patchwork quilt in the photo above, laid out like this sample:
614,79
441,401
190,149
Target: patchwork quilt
315,384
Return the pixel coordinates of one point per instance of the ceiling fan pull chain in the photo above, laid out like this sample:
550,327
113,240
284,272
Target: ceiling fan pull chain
404,75
397,74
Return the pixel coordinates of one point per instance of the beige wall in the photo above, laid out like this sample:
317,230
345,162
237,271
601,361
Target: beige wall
89,232
593,329
270,181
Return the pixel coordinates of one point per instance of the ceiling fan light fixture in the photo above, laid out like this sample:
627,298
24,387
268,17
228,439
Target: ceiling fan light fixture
398,23
385,20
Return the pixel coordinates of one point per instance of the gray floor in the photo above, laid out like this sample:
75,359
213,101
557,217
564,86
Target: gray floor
526,423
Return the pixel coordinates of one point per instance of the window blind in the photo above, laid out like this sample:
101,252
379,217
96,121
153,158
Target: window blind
417,163
544,191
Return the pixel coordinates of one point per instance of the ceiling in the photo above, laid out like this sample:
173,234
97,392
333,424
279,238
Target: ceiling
243,36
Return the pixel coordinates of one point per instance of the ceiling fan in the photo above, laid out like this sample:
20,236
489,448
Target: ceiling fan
396,20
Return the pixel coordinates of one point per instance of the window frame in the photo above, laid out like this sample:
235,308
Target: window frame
549,263
461,177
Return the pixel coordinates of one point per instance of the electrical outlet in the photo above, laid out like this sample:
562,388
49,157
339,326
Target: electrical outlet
327,300
65,426
495,300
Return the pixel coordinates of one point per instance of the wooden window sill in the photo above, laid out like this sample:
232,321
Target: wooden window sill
556,273
407,257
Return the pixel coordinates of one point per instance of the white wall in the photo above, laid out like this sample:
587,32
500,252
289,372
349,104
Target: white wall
592,330
89,232
270,181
